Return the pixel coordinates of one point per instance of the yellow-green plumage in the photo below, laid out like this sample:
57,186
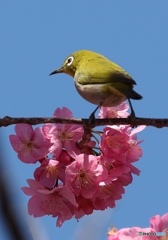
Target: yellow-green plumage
98,80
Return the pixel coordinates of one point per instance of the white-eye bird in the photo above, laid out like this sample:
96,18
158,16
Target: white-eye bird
98,80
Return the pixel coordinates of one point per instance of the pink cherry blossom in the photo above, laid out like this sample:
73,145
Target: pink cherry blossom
86,145
119,111
160,223
65,158
79,173
63,135
84,174
50,172
85,206
130,234
125,179
115,168
63,113
58,202
119,146
157,224
134,152
31,145
107,194
114,143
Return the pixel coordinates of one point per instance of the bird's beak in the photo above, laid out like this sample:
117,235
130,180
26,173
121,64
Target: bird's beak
59,70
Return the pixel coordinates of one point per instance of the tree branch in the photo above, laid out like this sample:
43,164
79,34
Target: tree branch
133,121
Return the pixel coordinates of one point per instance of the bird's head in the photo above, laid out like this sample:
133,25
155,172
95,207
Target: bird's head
74,62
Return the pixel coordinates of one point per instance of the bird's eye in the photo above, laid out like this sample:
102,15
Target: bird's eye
69,61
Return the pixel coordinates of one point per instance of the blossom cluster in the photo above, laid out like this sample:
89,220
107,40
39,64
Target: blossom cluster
158,230
78,171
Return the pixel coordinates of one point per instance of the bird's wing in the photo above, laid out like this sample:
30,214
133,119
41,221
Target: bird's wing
104,71
98,77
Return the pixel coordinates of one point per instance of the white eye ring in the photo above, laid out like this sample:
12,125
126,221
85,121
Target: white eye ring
69,61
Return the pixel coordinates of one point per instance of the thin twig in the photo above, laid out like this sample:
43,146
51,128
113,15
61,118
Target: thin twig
133,121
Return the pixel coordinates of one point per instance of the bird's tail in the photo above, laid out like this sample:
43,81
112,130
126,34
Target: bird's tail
134,95
127,90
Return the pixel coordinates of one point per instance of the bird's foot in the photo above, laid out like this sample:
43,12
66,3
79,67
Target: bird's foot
132,117
92,116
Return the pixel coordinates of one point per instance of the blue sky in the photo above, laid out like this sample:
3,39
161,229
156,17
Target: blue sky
36,36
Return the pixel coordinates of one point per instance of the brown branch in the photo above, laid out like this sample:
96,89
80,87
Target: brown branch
133,121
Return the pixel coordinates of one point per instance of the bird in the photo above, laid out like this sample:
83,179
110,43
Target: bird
99,80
